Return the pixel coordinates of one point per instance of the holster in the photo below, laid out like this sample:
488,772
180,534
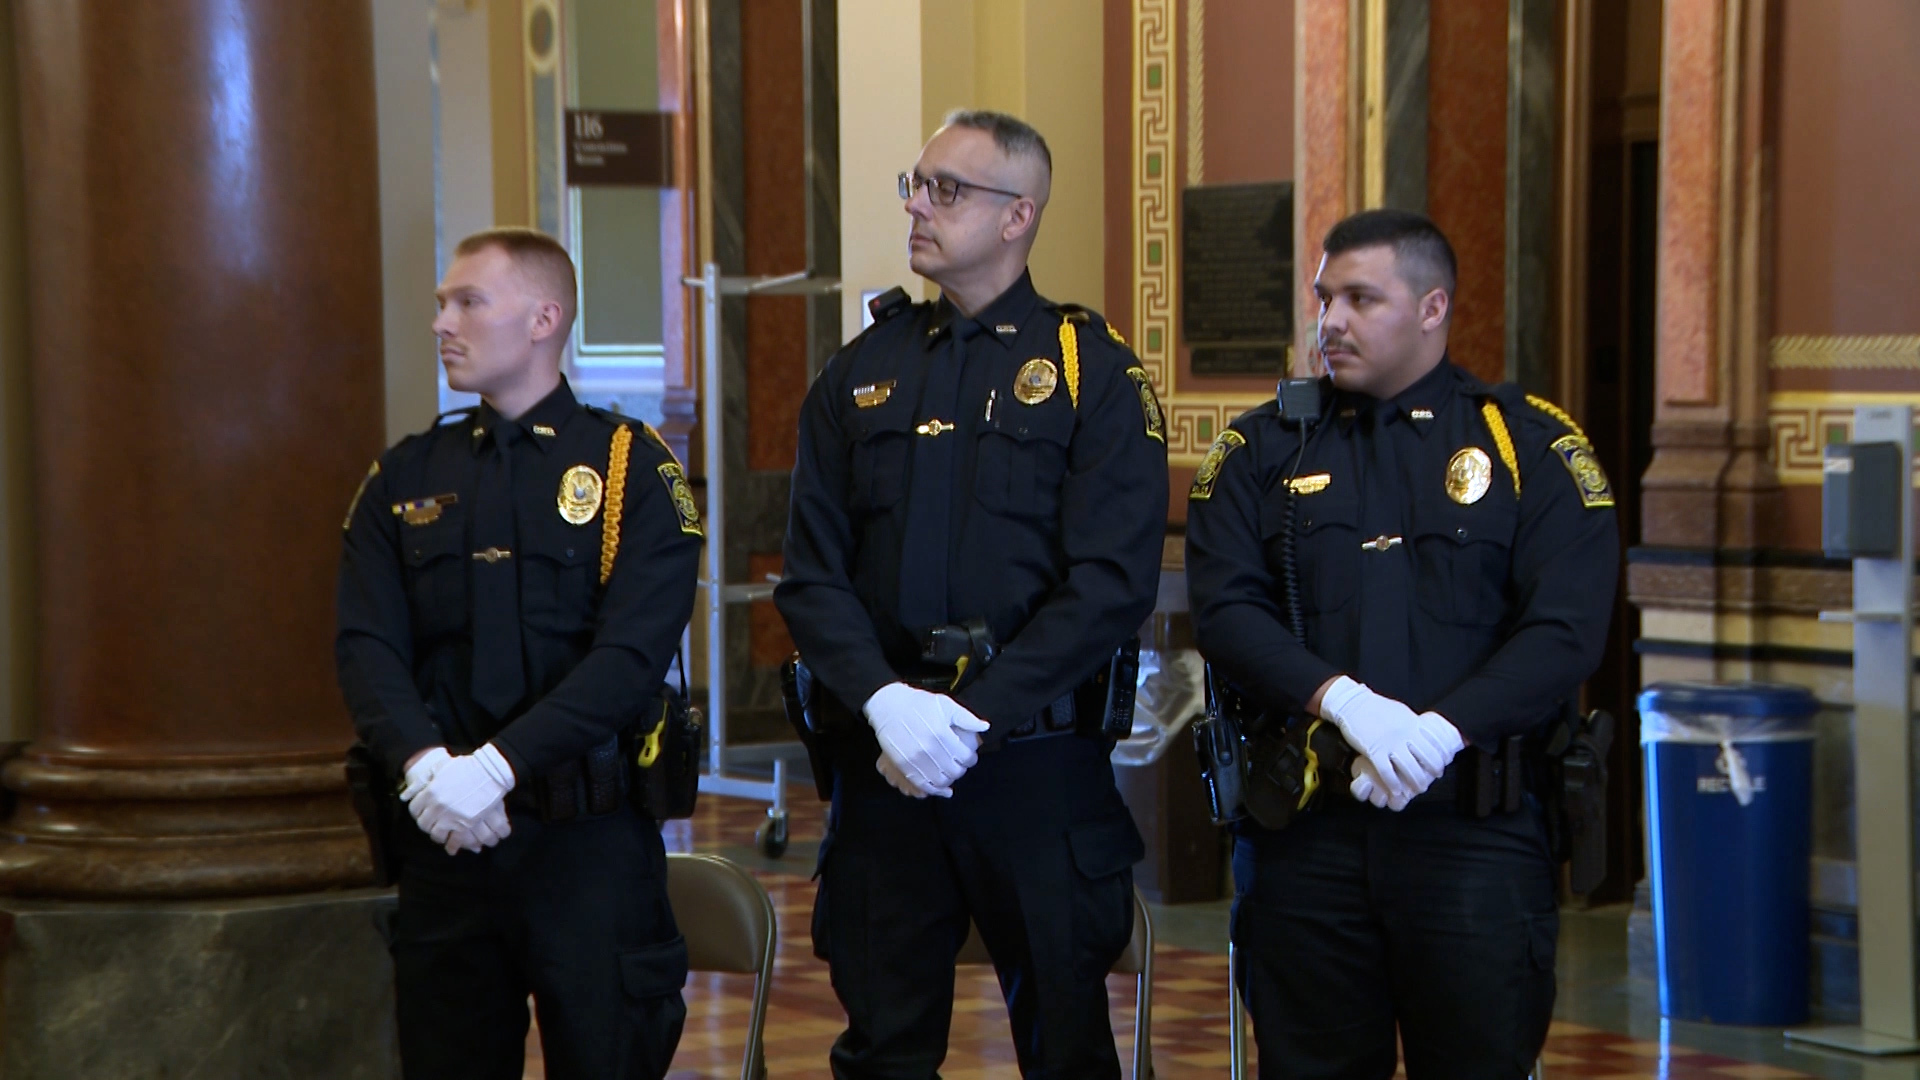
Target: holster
801,693
665,759
1269,768
378,806
1573,791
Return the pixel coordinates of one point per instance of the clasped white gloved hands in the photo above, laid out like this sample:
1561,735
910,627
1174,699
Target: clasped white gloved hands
460,801
1401,754
927,740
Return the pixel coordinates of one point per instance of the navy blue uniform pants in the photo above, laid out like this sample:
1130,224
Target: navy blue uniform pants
1037,848
574,914
1352,922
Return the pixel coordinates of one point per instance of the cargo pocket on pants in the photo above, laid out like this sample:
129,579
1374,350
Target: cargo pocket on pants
651,979
1104,852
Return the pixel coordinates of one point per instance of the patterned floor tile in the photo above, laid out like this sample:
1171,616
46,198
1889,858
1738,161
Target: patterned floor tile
1190,1021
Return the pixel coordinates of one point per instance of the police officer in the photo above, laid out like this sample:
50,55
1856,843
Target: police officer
989,469
1456,555
514,584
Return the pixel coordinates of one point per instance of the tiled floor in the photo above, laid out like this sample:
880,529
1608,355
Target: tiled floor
1604,1030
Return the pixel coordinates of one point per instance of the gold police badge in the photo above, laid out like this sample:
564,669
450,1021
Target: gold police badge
580,491
1469,475
1036,381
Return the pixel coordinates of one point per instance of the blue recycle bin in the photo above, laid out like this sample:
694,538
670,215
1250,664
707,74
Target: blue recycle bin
1730,809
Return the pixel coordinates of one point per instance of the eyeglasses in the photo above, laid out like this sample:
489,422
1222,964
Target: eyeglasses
942,191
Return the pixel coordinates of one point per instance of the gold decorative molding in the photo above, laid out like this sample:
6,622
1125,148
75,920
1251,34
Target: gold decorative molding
1802,423
1846,352
1192,419
1196,92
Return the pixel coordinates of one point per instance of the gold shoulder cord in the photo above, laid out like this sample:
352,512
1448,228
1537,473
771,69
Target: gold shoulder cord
1557,413
616,496
1070,358
1497,424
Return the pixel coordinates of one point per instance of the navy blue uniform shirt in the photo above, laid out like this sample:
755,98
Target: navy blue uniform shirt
1428,569
595,654
1056,512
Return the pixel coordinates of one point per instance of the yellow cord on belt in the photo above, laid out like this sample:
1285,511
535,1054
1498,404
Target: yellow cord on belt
616,495
1498,425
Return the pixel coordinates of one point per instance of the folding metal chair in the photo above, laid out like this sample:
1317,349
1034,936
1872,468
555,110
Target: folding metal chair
1136,961
730,926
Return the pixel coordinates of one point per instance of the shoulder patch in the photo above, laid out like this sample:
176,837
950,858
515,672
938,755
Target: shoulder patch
1149,403
682,495
372,471
1203,481
1577,455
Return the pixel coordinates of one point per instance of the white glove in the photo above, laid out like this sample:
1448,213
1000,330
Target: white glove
488,831
1367,787
420,773
461,792
1437,731
920,732
903,785
1387,733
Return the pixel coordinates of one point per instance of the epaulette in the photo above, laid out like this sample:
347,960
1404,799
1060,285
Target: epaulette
1569,444
1081,314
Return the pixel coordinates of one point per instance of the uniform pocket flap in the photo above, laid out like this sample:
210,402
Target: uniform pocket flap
1031,423
1320,511
655,971
423,544
1106,847
1466,524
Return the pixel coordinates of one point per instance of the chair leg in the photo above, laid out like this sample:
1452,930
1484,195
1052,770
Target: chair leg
1236,1024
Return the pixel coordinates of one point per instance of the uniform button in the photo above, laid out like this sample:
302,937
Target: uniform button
1461,533
569,553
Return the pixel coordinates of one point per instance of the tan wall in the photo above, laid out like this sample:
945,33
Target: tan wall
1849,153
903,67
507,69
404,98
16,508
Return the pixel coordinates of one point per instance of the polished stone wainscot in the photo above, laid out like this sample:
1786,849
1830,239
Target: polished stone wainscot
287,988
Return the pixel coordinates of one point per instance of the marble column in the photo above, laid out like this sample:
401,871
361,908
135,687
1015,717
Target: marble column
1711,483
1325,152
203,242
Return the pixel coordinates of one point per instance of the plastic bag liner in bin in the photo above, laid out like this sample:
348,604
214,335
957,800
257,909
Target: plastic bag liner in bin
1729,818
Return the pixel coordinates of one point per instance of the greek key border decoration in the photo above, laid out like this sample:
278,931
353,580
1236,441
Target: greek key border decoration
1802,423
1154,189
1192,419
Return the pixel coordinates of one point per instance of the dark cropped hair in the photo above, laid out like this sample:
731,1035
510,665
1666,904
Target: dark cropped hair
1014,136
1420,249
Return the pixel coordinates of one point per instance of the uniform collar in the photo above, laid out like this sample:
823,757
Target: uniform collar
543,423
1423,403
1002,320
1419,405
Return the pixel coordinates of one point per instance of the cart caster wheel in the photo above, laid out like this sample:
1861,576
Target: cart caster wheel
771,836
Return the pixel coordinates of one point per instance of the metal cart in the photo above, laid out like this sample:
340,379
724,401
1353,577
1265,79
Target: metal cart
715,593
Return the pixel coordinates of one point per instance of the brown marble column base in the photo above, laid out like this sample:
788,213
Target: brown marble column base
293,986
83,832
